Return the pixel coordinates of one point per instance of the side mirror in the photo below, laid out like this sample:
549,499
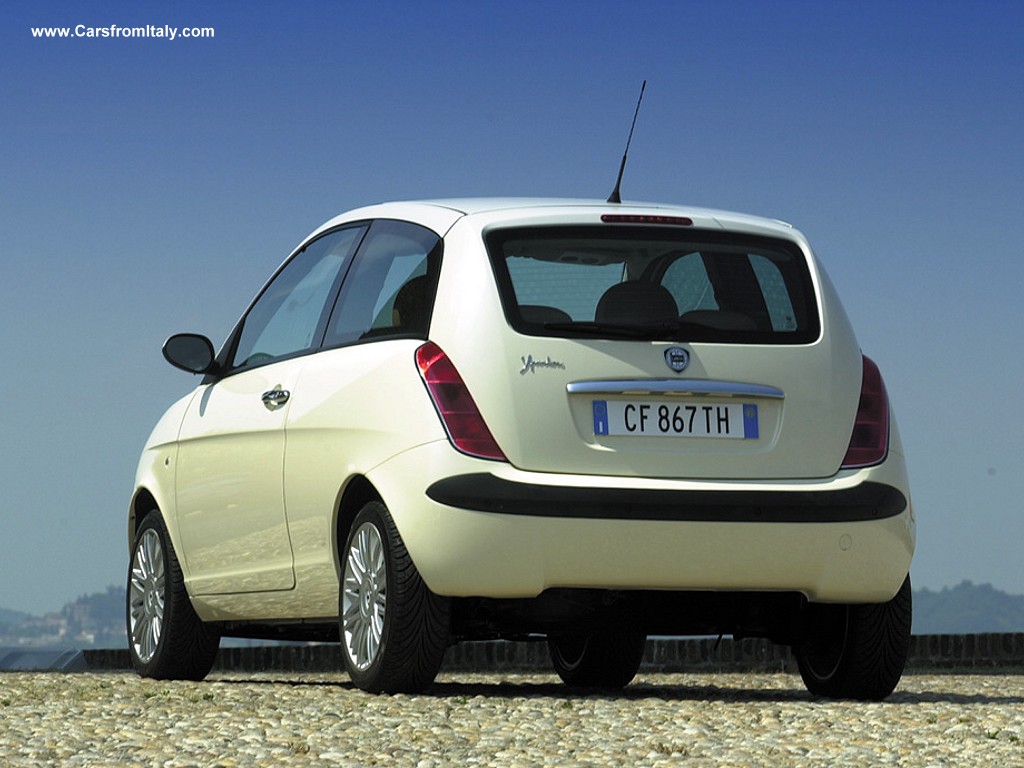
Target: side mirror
189,351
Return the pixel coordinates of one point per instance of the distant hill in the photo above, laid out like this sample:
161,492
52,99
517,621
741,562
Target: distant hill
91,621
97,620
967,609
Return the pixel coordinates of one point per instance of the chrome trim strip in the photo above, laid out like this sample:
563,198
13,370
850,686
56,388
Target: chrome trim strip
689,387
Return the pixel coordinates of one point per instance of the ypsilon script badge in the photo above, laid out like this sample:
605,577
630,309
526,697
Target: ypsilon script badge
530,365
677,359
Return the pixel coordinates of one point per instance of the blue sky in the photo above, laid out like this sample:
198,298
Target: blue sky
150,186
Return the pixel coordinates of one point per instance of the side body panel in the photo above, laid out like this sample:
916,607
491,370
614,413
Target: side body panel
230,500
157,467
342,424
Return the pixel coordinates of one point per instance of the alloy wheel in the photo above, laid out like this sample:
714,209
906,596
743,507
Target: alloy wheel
364,596
146,607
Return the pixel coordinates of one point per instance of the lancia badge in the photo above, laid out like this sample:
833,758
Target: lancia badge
677,359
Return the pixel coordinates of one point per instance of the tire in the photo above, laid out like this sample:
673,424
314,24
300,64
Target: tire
598,660
166,639
857,651
394,630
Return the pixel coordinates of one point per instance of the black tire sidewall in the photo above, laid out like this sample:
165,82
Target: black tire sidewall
417,622
186,648
603,660
876,639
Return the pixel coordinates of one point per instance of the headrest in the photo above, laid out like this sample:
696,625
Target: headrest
637,303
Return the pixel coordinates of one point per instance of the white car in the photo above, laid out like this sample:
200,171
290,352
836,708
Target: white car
564,420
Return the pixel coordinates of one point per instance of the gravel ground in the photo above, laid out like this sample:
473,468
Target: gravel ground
116,719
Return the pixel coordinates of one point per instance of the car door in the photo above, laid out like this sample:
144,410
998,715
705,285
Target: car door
355,407
229,488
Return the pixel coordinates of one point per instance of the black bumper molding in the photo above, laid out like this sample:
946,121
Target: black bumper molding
483,492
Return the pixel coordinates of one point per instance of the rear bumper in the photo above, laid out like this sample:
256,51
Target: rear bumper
489,530
484,492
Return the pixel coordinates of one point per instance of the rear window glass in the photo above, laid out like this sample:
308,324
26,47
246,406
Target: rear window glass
654,283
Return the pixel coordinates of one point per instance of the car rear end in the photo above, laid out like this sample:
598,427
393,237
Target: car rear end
730,438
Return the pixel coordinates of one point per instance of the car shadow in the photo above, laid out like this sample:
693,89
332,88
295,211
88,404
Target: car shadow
507,687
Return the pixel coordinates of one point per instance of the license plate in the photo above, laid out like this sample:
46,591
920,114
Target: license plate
682,419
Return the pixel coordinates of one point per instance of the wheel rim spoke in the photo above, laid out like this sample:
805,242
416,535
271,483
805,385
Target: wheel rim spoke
146,596
364,597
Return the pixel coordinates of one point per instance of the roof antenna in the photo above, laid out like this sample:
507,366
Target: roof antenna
614,196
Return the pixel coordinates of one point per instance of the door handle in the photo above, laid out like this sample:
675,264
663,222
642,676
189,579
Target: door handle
275,398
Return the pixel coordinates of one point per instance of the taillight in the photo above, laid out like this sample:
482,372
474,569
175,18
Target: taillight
870,441
459,414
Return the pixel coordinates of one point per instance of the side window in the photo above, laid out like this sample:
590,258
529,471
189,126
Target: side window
688,282
289,315
776,295
390,289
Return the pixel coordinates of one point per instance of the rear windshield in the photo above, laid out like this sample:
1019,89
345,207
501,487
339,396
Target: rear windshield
653,283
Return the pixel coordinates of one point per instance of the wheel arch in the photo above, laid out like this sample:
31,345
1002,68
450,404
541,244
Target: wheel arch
142,504
358,492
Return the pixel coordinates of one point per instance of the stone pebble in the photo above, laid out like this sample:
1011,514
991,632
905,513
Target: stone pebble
278,719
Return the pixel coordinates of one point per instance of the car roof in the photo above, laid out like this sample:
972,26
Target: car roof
440,214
